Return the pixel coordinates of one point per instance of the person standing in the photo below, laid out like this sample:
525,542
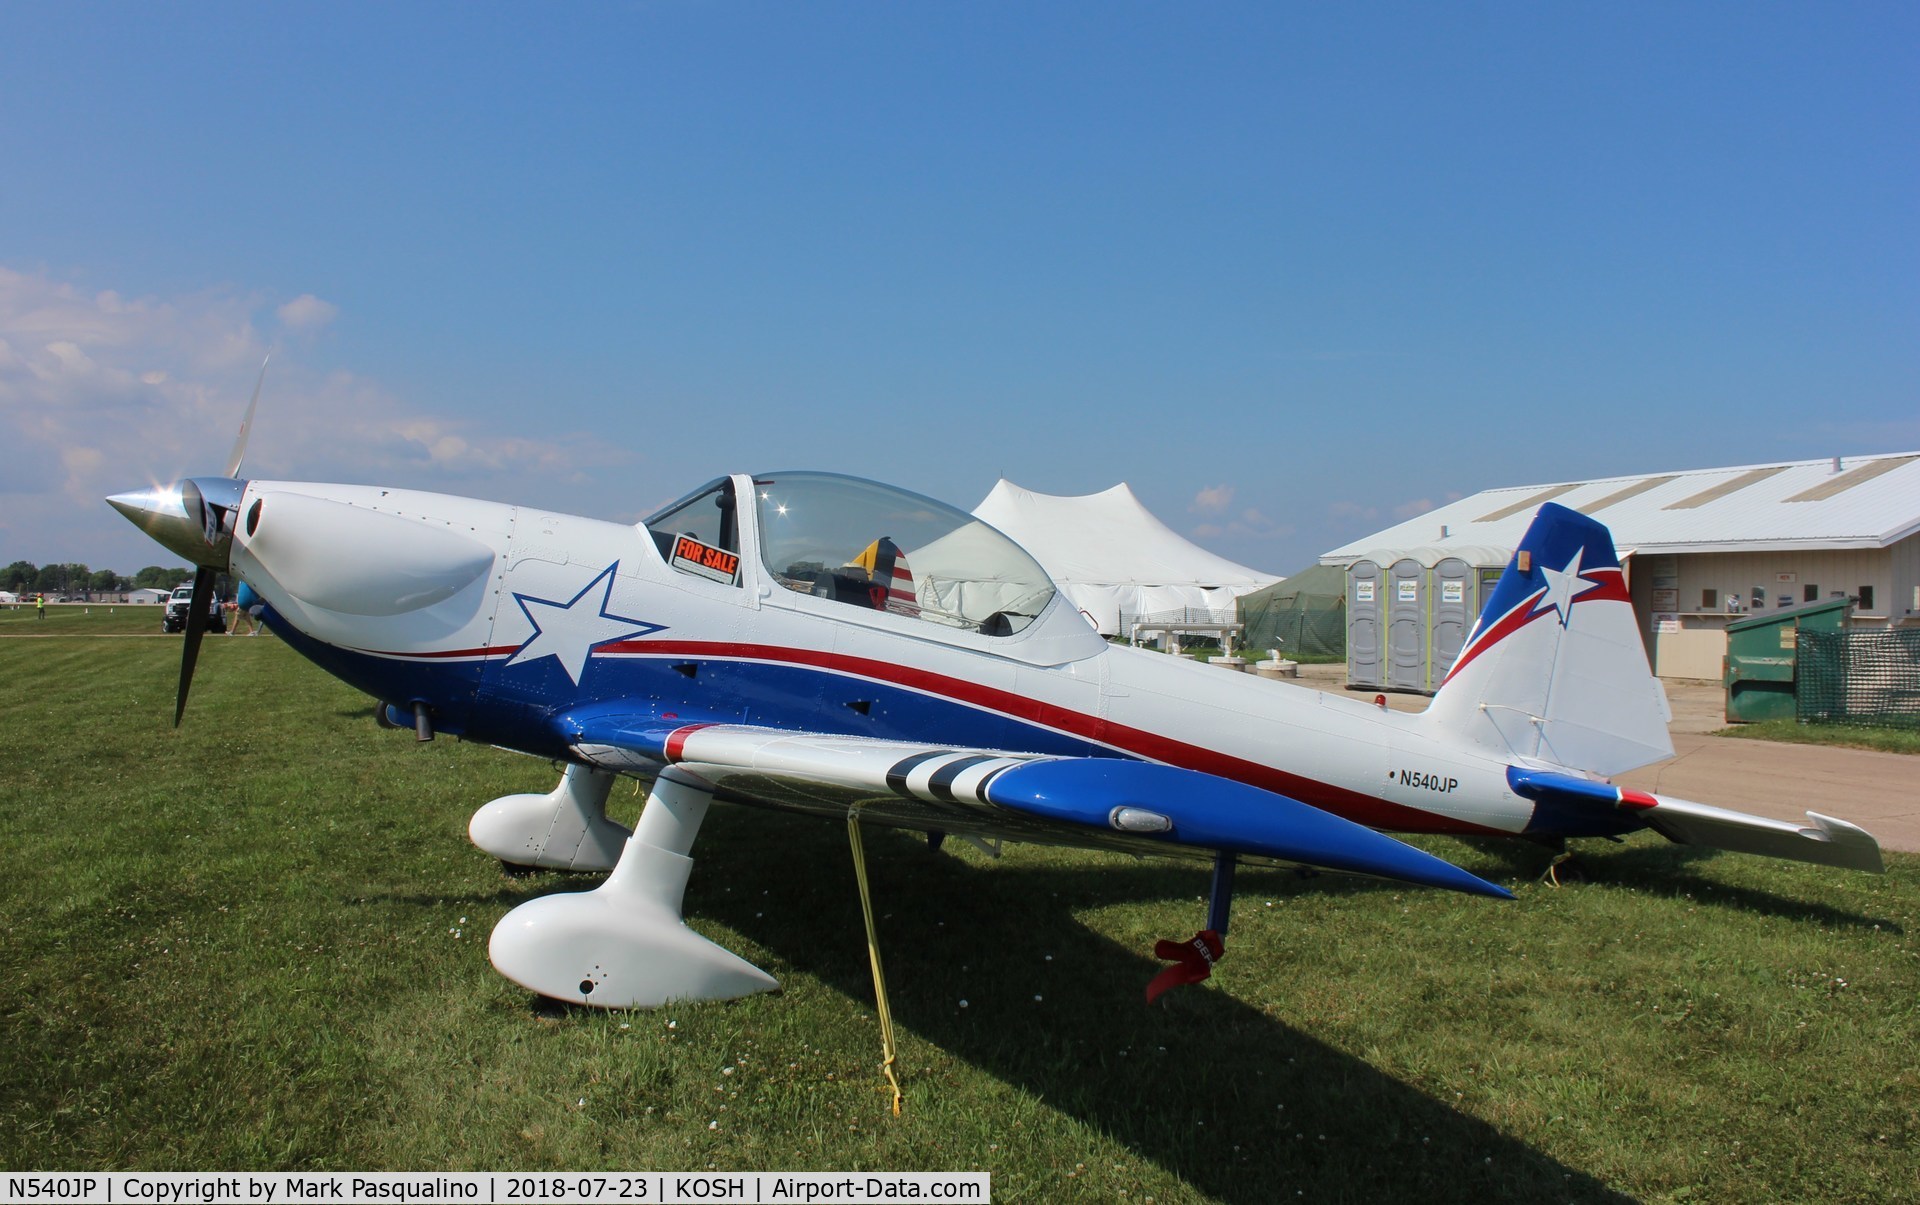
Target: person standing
40,605
252,606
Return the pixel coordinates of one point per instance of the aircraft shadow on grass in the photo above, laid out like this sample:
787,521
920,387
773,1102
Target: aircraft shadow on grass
1665,871
1285,1111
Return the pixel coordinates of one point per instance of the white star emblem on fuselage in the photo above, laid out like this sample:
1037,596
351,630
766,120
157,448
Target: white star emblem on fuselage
570,631
1562,587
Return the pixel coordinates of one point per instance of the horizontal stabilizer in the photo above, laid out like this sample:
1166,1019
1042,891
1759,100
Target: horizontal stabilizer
1826,840
1610,809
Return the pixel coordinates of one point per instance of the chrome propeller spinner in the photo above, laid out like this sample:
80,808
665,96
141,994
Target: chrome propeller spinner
195,518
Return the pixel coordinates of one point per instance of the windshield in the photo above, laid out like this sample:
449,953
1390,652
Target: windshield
707,518
886,549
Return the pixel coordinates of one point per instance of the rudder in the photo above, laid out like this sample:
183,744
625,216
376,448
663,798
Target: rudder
1555,671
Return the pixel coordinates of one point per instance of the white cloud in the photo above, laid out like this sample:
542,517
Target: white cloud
1212,500
1347,510
101,393
307,313
1413,509
1250,524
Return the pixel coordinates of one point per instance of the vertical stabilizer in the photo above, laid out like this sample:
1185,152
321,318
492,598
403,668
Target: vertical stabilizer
1555,670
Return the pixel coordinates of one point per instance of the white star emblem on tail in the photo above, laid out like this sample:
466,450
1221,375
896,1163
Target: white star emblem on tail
1563,585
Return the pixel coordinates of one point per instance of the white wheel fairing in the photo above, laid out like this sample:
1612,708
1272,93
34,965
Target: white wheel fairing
624,944
565,829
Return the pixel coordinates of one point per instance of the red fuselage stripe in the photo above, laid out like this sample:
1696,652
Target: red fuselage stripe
1353,805
446,654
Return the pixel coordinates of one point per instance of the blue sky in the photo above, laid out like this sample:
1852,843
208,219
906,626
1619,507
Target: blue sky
1295,272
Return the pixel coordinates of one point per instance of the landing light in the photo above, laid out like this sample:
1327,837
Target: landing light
1138,820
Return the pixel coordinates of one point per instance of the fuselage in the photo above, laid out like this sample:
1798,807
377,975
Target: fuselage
501,619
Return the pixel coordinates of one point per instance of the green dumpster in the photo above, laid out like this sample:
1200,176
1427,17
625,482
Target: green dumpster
1759,672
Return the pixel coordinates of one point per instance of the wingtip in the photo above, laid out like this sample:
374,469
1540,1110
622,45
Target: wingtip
1861,848
1473,884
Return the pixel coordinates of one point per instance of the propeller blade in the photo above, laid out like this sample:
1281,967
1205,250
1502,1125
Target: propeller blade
246,424
196,628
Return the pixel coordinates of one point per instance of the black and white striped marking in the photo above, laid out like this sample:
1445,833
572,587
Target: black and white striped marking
945,775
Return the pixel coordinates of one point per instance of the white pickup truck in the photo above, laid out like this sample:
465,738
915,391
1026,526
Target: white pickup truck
175,617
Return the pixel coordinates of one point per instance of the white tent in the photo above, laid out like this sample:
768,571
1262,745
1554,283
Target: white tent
1113,558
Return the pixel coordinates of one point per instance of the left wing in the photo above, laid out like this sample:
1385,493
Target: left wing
1110,803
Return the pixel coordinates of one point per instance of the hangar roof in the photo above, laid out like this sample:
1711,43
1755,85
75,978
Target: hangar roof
1839,502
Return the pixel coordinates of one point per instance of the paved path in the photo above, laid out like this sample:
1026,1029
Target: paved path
1880,792
83,635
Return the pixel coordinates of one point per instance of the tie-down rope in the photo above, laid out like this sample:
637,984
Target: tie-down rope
873,956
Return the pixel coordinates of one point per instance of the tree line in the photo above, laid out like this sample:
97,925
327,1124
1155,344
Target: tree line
24,577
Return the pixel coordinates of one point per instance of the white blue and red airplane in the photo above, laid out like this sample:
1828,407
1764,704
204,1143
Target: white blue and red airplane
826,644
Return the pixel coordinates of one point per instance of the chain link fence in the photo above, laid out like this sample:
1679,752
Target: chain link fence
1862,677
1175,617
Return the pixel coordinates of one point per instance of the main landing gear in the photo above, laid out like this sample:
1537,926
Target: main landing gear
623,944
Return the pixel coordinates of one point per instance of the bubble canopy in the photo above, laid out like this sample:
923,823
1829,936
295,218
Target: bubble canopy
873,546
894,550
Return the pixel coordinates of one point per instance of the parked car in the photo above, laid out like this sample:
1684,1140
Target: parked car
175,618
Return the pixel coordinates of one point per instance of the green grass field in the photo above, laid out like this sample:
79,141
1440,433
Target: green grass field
260,942
81,619
1846,736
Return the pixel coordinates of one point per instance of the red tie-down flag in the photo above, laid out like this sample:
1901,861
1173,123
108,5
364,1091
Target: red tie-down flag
1192,960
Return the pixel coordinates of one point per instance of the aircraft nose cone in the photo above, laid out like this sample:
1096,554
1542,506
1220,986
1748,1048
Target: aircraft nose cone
161,512
150,508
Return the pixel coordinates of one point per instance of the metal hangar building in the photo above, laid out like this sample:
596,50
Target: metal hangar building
1703,547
